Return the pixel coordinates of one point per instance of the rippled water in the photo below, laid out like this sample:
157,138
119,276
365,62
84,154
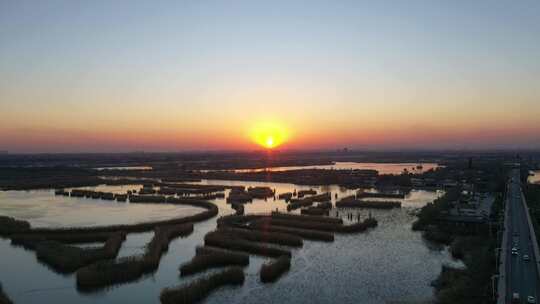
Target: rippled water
386,264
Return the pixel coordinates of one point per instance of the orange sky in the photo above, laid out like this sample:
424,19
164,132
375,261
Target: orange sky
202,76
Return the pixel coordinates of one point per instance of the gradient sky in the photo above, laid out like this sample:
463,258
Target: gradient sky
106,76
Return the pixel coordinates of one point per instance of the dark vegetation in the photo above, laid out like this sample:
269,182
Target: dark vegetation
321,209
427,218
4,299
231,242
474,245
355,203
260,192
46,177
532,195
296,203
303,233
472,284
303,193
109,272
239,196
9,225
314,210
319,226
66,259
286,196
252,233
319,219
238,207
347,178
208,257
196,291
270,272
259,234
56,177
264,236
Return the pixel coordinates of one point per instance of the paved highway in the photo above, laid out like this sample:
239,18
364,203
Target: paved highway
521,273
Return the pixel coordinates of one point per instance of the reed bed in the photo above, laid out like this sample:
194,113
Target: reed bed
261,192
237,196
9,225
258,222
109,272
265,236
89,194
314,211
304,218
61,192
121,197
303,193
147,198
207,258
308,201
359,227
325,205
239,208
298,203
313,225
66,259
272,271
303,233
323,197
368,204
160,243
169,182
285,196
4,299
231,242
198,290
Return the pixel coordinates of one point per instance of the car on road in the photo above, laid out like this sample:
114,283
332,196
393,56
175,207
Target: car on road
531,299
526,257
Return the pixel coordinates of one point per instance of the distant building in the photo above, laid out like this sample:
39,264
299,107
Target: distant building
3,152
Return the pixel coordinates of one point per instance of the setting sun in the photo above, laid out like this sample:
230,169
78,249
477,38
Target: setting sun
269,142
269,134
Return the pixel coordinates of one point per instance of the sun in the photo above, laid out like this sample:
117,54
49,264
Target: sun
269,134
270,142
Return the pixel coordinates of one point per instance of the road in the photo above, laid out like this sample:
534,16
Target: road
521,275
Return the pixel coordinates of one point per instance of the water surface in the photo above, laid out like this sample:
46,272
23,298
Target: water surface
389,263
43,209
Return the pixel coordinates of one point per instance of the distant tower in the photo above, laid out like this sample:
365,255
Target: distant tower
470,163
